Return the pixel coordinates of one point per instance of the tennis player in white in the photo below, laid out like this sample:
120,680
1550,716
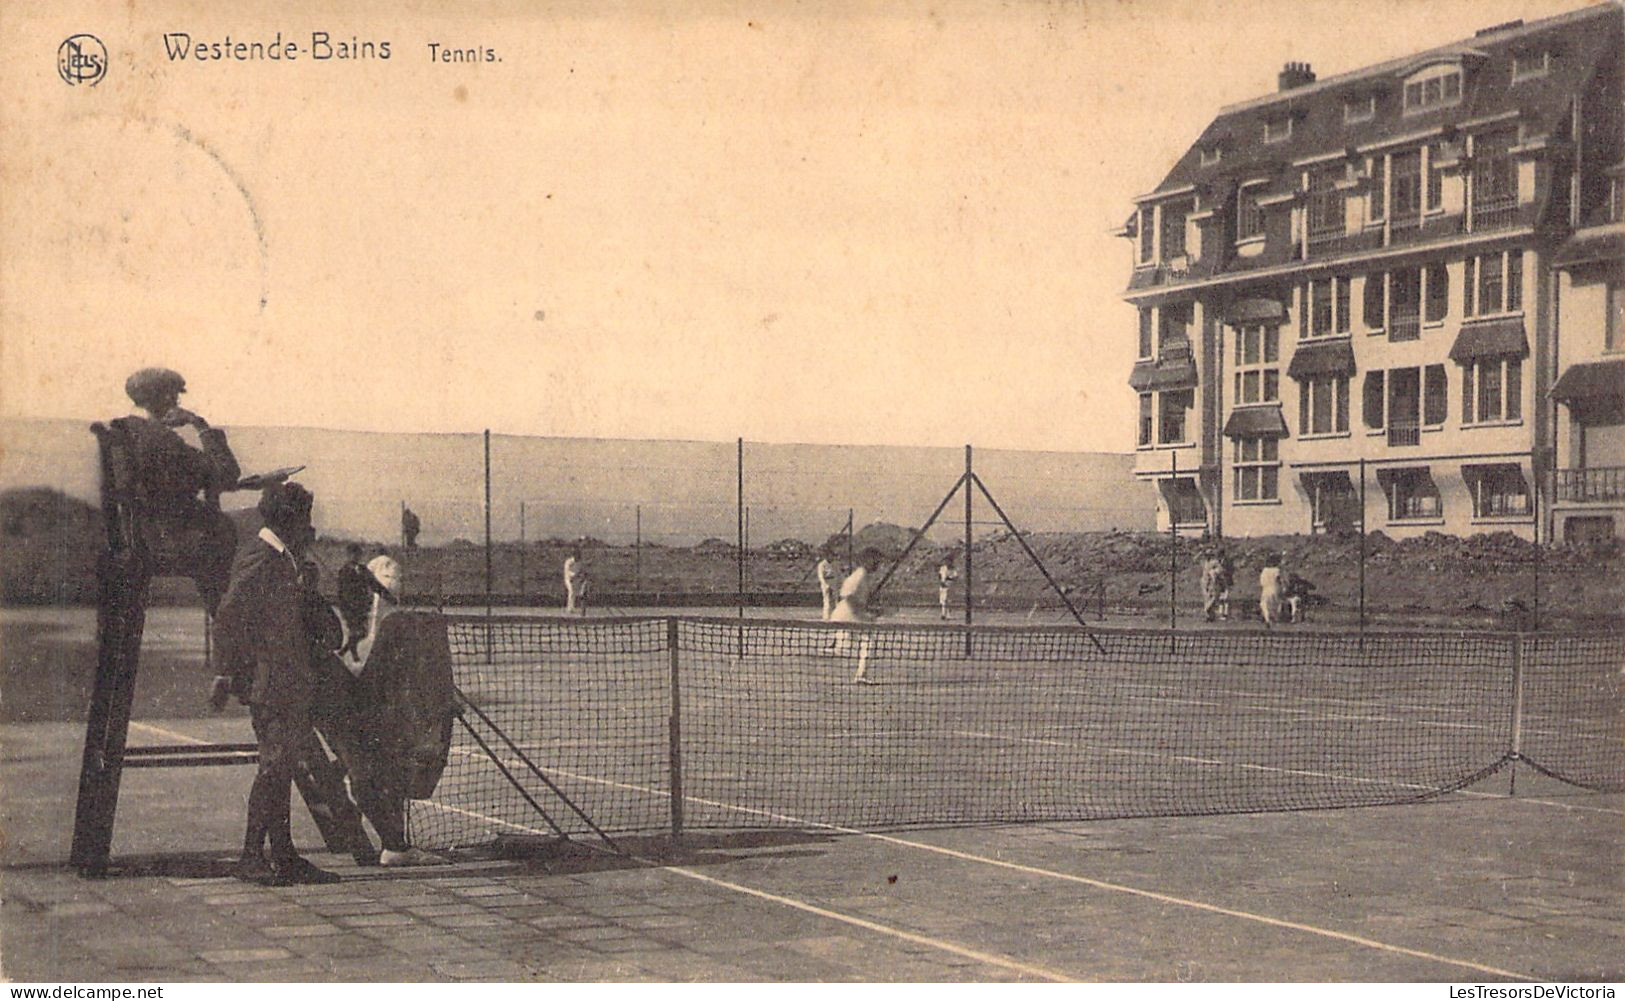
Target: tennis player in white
575,583
945,575
854,607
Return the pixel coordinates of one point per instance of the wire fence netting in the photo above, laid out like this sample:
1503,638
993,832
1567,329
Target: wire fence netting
815,725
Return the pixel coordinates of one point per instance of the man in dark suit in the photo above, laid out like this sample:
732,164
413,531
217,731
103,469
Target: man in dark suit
265,648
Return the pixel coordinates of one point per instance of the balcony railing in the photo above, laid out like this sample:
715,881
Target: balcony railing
1495,213
1405,328
1402,433
1598,483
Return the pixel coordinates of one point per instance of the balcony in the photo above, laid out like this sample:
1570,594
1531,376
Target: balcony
1495,213
1404,433
1591,485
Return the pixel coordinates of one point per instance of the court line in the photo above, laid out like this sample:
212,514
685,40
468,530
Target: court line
171,734
1087,881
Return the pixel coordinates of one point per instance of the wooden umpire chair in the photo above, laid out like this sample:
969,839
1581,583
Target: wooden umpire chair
123,572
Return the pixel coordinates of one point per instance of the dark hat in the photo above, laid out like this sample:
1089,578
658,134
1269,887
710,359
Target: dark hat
285,506
150,384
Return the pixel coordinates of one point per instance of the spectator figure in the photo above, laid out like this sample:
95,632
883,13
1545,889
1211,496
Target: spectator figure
827,586
1218,573
264,646
357,589
575,583
1272,602
946,574
1298,591
184,531
410,527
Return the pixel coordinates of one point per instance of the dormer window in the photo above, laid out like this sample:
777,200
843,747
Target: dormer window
1212,155
1360,109
1277,129
1435,87
1529,65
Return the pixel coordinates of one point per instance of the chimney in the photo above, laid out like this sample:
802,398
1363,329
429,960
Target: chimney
1295,75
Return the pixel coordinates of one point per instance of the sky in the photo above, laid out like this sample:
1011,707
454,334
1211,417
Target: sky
841,223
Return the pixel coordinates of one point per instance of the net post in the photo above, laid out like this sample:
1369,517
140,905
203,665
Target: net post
674,731
970,578
1515,749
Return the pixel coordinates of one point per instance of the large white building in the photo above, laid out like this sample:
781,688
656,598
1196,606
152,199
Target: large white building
1399,286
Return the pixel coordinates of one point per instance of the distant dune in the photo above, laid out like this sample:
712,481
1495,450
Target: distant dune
681,491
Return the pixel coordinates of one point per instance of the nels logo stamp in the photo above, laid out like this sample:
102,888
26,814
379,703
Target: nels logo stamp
81,60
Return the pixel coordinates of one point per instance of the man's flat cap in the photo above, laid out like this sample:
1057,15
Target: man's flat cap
151,384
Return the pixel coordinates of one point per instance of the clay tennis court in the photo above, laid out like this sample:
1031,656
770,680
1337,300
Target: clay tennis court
786,870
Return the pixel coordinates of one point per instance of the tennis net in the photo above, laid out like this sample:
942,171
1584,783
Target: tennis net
761,724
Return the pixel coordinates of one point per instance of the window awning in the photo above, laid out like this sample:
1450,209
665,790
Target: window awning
1590,380
1255,422
1590,248
1171,373
1255,311
1490,339
1331,358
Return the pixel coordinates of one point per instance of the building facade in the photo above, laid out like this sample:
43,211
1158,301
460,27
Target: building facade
1390,298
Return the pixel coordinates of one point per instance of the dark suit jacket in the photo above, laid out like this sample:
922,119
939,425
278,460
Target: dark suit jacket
261,636
171,472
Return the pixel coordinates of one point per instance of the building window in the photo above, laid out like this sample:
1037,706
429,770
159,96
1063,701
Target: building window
1376,301
1360,109
1372,408
1492,391
1407,187
1435,186
1249,215
1146,347
1173,229
1326,220
1499,491
1493,283
1614,322
1437,280
1258,469
1412,495
1325,307
1185,505
1175,406
1404,407
1377,198
1405,304
1494,179
1528,65
1258,376
1148,234
1211,155
1174,333
1323,405
1435,396
1438,89
1277,129
1145,420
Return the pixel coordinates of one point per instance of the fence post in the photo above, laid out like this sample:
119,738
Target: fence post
970,577
739,510
1534,504
1362,553
637,549
489,654
674,731
1173,544
851,546
522,552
